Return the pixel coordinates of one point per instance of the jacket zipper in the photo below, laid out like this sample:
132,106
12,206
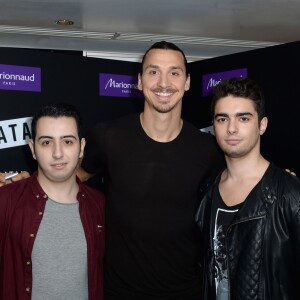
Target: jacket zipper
226,248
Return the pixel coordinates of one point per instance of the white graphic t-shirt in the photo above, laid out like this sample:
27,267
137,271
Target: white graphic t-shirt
223,216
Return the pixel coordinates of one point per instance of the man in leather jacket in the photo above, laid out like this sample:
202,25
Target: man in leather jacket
250,216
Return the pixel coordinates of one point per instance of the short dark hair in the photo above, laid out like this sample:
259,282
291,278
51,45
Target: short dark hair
165,46
57,110
240,87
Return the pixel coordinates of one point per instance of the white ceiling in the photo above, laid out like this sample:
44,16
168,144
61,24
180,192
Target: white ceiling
202,28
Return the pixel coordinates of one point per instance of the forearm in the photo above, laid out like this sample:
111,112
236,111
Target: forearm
4,180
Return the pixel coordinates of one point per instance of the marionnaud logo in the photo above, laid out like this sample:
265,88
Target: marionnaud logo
20,78
209,81
115,85
15,132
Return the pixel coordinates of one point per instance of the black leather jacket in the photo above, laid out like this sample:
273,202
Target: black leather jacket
262,242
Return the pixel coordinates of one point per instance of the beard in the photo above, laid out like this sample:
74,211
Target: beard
241,151
234,153
164,107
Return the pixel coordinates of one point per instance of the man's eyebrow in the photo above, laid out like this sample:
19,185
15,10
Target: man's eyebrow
240,114
152,66
221,115
45,137
177,68
62,137
69,136
158,67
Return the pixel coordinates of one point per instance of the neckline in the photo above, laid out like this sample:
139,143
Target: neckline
174,140
62,203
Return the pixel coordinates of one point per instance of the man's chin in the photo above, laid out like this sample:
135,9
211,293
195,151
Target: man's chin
163,109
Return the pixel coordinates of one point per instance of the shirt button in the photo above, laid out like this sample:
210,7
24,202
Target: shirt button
32,235
28,289
28,263
40,213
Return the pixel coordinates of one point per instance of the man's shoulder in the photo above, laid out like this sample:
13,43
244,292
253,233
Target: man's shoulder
291,181
116,125
15,192
91,192
120,121
197,131
16,186
197,136
286,183
284,177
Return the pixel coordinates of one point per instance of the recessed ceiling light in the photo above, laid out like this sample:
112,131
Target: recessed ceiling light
64,22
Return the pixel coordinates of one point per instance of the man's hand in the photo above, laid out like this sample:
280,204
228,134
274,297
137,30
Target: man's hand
19,176
83,175
289,171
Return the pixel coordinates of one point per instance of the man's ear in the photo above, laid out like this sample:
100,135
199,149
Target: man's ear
187,83
263,125
31,146
82,146
140,85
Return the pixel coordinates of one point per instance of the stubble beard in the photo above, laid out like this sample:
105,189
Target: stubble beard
163,108
238,152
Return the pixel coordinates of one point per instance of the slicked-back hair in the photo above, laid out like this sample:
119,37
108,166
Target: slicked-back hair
57,110
240,87
165,46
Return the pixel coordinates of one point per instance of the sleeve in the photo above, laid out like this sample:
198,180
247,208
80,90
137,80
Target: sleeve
4,206
295,240
94,154
292,193
296,229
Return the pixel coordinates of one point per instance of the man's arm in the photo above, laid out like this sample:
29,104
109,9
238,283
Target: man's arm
21,175
83,175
